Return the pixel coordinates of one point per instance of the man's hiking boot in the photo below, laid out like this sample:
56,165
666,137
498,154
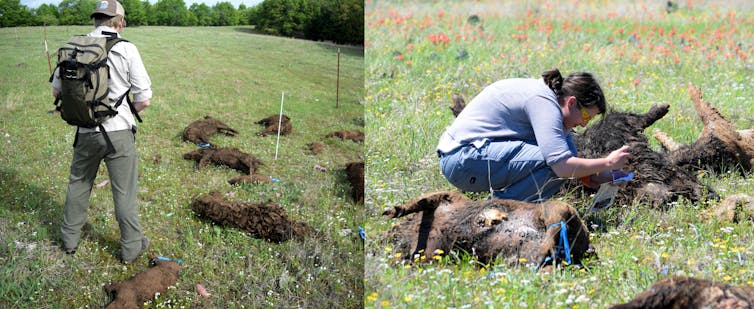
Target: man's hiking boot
144,247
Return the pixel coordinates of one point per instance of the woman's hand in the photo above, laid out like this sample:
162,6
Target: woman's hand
618,158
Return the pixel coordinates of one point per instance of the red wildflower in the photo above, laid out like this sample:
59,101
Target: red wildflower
440,38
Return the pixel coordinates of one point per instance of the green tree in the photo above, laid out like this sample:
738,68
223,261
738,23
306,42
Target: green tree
46,14
136,15
172,13
252,15
76,12
341,21
243,14
203,14
224,14
285,17
349,22
13,14
149,12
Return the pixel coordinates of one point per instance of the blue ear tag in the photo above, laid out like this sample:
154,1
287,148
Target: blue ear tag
624,178
162,258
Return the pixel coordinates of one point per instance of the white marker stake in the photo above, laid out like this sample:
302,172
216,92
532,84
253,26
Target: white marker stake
280,121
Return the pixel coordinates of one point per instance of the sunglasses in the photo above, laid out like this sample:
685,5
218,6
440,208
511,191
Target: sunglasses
585,117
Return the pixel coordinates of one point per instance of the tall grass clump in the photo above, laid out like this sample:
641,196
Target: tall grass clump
419,54
230,74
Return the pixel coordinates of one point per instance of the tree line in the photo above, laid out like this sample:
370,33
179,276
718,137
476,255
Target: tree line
341,21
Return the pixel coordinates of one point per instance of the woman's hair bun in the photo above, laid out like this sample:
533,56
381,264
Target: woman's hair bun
554,80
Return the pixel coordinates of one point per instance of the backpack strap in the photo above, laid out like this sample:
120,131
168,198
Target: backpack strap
111,41
110,147
133,109
130,104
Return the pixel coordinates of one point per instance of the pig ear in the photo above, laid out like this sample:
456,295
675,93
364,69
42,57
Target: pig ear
425,202
655,113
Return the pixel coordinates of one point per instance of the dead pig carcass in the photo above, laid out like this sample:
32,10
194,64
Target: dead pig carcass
658,179
511,231
719,146
266,220
134,292
230,157
201,130
686,292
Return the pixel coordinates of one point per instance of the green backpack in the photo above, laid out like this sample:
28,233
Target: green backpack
83,100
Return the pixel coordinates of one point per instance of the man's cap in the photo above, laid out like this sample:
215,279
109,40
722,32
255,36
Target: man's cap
109,8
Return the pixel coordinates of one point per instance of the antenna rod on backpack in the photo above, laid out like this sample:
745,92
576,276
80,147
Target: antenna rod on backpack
47,51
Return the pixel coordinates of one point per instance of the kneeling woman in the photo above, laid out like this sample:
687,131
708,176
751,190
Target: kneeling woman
515,138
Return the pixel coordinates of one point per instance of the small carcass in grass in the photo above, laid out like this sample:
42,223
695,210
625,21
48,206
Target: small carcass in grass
354,135
685,292
355,175
230,157
458,104
273,124
315,147
719,147
735,208
267,220
658,180
201,130
143,287
507,230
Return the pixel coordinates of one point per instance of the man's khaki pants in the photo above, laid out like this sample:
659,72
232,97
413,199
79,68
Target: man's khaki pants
122,167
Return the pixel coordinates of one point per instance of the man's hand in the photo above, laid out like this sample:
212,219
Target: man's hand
140,106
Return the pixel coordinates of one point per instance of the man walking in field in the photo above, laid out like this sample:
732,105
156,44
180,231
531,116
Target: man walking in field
127,73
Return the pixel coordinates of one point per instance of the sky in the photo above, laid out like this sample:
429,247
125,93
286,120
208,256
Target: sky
235,3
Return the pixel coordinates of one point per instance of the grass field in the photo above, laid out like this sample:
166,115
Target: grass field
418,54
228,73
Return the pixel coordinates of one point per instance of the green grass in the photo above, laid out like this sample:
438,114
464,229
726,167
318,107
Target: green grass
228,73
640,54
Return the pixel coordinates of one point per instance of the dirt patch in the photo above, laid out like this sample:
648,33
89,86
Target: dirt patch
230,157
266,220
201,130
272,123
685,292
355,135
355,175
141,288
510,231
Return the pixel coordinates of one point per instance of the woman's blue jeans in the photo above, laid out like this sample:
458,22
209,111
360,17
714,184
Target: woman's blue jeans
510,169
